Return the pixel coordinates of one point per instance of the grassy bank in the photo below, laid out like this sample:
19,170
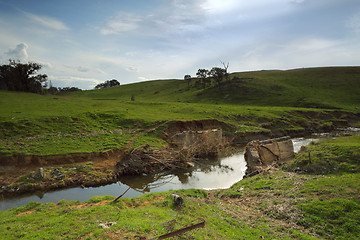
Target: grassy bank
45,125
276,204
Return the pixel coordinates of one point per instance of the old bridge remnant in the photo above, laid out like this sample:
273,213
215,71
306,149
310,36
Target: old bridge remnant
260,154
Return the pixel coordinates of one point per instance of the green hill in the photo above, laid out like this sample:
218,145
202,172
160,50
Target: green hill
286,102
330,87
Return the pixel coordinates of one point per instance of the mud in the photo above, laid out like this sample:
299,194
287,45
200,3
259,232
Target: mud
61,159
111,164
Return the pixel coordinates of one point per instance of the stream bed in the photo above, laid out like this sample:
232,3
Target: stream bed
215,173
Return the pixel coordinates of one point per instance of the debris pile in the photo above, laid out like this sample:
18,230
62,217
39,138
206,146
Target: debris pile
185,147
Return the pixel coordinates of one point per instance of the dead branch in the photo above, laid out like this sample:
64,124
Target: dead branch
155,159
115,200
180,231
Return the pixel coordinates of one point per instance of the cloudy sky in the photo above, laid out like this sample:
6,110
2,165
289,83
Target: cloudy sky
84,42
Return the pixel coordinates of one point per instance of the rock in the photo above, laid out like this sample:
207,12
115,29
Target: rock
106,225
256,172
38,174
57,174
80,167
60,176
177,199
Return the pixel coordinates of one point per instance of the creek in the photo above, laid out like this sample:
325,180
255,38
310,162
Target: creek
211,173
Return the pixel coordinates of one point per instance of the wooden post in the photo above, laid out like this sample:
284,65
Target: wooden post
309,157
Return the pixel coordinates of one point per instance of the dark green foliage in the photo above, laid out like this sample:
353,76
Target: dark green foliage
218,74
203,74
68,89
22,77
108,84
187,79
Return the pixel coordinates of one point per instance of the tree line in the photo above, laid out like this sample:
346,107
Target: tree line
207,78
24,77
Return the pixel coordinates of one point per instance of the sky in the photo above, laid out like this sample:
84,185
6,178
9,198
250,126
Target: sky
82,43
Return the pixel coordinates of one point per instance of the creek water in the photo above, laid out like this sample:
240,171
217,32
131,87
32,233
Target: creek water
211,173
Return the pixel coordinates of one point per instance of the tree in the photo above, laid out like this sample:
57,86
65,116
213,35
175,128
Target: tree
203,74
226,66
107,84
17,76
187,78
218,74
52,89
69,89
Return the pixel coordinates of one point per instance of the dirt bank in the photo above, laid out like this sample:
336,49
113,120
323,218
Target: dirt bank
108,165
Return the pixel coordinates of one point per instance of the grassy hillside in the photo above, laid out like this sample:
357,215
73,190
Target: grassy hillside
249,102
46,125
331,87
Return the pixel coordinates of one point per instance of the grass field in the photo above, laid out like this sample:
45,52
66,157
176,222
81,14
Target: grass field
275,204
249,102
308,198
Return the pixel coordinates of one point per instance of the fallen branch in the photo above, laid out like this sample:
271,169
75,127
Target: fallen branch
115,200
142,146
180,231
165,164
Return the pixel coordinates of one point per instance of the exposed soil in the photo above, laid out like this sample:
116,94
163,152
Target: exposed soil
108,165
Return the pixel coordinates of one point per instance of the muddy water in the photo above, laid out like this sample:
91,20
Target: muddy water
214,173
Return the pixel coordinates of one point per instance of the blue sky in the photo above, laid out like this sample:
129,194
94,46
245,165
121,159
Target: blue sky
84,42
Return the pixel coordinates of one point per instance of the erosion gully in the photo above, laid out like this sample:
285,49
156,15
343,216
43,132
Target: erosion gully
211,173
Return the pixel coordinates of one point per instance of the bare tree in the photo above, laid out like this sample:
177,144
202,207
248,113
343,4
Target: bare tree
226,66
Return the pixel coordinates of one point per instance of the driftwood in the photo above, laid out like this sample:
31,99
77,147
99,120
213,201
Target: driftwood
115,200
182,230
165,164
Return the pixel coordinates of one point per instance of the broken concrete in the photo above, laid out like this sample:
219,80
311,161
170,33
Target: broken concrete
260,154
187,139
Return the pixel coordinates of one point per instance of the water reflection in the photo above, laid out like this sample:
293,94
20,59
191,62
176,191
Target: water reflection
299,142
212,173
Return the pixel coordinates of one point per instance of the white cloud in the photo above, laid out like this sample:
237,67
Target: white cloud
72,81
19,52
48,22
143,78
132,69
297,1
219,6
82,69
311,44
123,22
174,17
353,22
45,64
